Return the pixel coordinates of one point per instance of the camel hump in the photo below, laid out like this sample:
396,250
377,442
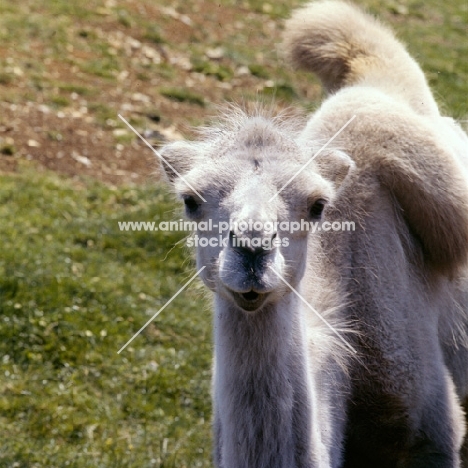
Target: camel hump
346,47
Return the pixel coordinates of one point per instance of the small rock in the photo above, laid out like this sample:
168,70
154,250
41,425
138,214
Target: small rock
153,366
171,134
34,144
215,54
399,9
120,132
224,85
43,108
182,62
126,106
140,97
170,11
81,159
243,70
122,76
152,54
134,43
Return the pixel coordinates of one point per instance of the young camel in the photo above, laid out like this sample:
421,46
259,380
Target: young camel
287,392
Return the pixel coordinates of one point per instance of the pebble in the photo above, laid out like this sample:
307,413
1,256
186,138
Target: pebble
81,159
120,132
243,70
215,54
170,11
140,97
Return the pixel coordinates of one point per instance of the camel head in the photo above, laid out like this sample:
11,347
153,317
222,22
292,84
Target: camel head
251,173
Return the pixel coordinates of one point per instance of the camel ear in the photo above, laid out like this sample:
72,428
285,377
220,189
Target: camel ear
335,166
177,158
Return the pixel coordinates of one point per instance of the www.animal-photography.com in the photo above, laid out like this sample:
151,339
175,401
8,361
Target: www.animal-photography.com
234,234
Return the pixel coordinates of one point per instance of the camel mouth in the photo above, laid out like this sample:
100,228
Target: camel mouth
250,296
249,301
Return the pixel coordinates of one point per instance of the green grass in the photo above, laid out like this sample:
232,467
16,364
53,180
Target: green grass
221,72
183,95
74,88
6,78
104,115
59,101
104,67
73,290
7,149
153,34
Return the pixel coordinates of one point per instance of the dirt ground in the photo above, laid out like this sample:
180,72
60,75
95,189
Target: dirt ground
54,111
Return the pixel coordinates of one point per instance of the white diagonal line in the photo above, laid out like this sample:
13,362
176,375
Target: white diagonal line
158,154
313,157
313,310
161,309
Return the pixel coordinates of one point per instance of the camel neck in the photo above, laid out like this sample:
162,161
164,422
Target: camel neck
260,375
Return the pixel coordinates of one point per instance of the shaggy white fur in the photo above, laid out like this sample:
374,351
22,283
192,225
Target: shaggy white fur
287,392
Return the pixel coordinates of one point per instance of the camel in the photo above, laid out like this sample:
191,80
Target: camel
333,348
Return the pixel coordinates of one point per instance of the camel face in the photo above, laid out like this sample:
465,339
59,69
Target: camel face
252,242
251,230
260,245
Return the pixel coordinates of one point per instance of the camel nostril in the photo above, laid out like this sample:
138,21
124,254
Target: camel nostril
233,239
250,296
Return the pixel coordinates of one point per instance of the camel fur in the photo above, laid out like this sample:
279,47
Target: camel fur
287,390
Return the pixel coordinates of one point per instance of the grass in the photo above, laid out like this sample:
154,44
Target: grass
74,88
6,78
183,95
73,290
153,34
221,72
7,149
103,68
59,101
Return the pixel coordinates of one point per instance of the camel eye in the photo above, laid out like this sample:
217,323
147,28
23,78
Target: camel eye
316,209
191,205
